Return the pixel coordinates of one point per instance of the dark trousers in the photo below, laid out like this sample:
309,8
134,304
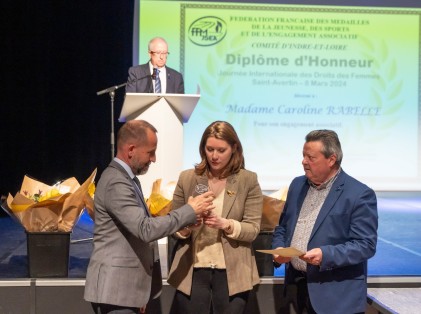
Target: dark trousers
100,308
303,299
209,294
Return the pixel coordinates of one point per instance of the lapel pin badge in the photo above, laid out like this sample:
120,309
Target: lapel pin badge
230,193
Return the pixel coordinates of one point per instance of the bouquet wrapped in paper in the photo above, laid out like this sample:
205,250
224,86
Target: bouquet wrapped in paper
273,205
160,200
43,208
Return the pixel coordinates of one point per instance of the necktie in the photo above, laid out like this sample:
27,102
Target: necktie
136,180
157,82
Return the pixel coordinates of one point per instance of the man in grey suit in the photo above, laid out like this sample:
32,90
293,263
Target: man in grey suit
155,76
124,272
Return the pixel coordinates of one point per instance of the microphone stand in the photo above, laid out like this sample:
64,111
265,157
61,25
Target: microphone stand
111,91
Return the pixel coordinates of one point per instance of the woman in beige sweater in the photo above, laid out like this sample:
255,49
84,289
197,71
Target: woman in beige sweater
214,264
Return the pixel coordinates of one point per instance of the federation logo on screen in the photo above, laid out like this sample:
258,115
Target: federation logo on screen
207,31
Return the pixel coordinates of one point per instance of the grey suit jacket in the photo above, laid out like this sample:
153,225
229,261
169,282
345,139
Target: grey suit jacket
140,80
124,268
243,202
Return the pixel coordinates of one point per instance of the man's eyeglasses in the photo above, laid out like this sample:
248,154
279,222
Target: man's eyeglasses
159,53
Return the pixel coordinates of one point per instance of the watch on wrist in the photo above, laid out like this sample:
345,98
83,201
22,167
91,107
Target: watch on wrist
276,264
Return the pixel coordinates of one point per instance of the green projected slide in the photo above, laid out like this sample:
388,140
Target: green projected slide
277,72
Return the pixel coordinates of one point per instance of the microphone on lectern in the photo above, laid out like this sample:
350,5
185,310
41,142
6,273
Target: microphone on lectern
141,78
154,73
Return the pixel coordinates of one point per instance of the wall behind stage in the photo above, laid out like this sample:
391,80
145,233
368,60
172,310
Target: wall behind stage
55,56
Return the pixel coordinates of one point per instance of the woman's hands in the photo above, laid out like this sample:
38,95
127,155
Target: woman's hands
212,220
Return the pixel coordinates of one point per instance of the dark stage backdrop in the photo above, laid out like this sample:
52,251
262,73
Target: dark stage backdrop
55,56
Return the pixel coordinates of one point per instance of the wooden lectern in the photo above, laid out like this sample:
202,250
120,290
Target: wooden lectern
166,112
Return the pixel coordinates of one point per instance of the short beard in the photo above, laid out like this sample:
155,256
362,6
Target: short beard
138,170
141,170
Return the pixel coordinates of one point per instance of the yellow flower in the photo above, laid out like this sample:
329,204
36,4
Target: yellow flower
91,189
50,194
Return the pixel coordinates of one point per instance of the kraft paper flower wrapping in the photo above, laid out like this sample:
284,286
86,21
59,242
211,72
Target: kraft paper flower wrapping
273,206
160,200
43,208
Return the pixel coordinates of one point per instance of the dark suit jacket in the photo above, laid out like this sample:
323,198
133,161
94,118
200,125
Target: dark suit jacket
123,269
346,232
140,80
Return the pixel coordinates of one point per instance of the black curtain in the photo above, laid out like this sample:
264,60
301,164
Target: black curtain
55,56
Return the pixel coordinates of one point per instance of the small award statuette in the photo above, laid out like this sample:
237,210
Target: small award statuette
200,189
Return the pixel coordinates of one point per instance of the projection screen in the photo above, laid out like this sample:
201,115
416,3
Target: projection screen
277,71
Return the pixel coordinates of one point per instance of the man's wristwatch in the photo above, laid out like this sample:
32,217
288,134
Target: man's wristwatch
276,264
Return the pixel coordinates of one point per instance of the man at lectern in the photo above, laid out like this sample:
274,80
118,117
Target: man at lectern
155,76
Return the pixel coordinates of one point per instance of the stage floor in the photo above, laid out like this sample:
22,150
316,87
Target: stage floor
398,250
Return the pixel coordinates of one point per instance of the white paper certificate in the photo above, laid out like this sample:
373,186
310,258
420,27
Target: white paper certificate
285,252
